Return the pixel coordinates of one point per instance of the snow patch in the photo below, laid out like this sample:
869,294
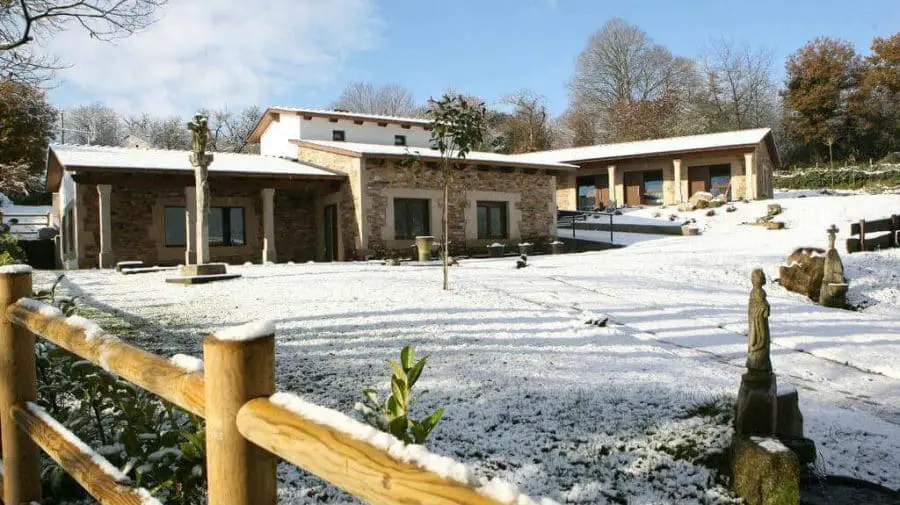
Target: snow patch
44,309
416,455
15,269
769,444
91,329
187,363
249,331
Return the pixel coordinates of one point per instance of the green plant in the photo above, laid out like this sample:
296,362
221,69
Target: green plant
10,252
392,416
65,304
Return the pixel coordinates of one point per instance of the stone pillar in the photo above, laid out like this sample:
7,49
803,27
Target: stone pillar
268,198
104,192
613,194
679,196
750,171
202,217
190,225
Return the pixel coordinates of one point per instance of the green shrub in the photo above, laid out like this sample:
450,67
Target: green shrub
10,252
392,416
160,447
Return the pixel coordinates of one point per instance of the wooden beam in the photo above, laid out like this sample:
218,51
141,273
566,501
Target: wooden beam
149,371
353,465
18,383
238,472
96,475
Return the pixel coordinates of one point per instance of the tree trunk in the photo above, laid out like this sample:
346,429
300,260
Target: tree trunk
446,232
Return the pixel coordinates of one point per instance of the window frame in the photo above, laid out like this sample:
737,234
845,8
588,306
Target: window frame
338,133
491,207
166,225
399,140
426,219
227,239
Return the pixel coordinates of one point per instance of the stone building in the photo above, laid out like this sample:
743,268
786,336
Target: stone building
737,164
316,192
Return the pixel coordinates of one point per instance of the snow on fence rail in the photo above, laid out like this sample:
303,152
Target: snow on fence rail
247,423
874,235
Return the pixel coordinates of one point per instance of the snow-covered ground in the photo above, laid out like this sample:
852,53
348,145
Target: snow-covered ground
577,412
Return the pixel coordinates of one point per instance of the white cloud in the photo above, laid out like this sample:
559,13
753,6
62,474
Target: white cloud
218,52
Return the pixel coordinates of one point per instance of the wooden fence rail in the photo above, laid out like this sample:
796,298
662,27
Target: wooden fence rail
246,430
874,235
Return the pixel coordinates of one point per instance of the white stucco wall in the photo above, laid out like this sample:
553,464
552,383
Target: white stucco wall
320,128
276,139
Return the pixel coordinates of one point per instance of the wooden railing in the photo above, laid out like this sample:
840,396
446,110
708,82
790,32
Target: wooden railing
874,235
19,222
247,426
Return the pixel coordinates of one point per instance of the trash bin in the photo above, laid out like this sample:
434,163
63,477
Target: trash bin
557,247
495,250
424,245
526,248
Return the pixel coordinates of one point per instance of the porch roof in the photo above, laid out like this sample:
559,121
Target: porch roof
119,159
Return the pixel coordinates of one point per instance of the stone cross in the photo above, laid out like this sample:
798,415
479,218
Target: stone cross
201,160
832,234
759,338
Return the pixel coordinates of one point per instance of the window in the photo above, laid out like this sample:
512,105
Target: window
68,227
491,219
176,233
337,135
411,218
399,140
653,187
719,179
226,226
587,191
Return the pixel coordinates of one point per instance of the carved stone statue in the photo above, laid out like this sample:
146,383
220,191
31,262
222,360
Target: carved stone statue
832,235
200,129
834,286
758,359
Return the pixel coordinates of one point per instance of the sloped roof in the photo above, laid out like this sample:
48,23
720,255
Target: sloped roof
270,113
723,140
74,157
392,151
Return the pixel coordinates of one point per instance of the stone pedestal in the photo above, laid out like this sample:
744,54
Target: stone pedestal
756,407
765,472
424,245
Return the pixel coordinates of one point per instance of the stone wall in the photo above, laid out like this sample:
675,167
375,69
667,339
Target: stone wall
530,195
352,200
138,225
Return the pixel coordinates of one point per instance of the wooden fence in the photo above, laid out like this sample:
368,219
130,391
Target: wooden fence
874,235
246,431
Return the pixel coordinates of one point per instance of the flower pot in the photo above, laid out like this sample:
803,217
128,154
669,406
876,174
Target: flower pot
495,250
526,248
423,246
557,247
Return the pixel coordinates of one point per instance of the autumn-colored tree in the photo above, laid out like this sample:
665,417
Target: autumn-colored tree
881,88
526,129
823,78
26,124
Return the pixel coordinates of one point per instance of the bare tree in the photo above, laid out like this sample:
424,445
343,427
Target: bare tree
740,89
94,124
229,130
527,128
388,100
160,133
621,69
25,21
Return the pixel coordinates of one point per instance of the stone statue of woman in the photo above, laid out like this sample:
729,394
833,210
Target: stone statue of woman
200,130
758,360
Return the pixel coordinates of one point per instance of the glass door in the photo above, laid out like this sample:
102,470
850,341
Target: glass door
330,233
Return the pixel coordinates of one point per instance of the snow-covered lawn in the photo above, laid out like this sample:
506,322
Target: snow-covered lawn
577,412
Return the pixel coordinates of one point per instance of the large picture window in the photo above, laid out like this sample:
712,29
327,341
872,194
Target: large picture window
587,191
653,187
411,218
719,179
176,234
491,219
226,226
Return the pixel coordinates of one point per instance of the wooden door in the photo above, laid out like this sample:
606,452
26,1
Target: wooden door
698,178
634,182
602,185
331,233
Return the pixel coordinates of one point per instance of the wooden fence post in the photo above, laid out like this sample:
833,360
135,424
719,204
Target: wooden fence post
237,370
18,383
862,235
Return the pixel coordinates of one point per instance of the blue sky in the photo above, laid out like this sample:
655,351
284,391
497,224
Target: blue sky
302,52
